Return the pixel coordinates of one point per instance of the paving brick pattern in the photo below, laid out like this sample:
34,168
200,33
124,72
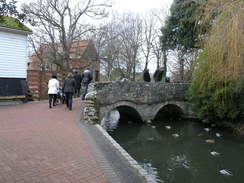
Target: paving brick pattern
43,145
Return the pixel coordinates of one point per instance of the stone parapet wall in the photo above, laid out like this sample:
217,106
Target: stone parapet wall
90,113
146,98
91,106
140,92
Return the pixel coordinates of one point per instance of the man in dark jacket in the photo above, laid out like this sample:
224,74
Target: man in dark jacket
146,75
77,78
68,89
158,74
86,79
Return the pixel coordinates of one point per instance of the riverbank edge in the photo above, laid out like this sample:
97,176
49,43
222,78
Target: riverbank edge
235,128
133,163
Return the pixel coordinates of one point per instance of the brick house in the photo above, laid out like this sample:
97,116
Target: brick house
82,54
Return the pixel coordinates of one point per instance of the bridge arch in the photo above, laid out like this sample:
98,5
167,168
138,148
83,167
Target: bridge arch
125,108
168,109
128,113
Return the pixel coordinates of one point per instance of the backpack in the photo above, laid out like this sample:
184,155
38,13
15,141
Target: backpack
85,80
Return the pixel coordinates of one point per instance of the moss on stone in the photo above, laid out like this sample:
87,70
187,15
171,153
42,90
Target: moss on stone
97,108
13,23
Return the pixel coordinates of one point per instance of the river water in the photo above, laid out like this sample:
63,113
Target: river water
180,151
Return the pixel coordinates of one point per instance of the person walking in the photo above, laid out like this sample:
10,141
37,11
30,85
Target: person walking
77,78
146,75
53,85
86,78
68,89
158,74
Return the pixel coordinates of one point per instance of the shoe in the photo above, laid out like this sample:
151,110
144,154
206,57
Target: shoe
50,106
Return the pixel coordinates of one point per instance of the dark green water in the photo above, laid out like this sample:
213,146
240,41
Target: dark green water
187,158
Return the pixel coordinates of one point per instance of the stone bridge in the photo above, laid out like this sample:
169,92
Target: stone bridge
141,100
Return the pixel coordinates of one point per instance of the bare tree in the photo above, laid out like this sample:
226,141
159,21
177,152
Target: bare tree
160,54
181,65
63,21
118,42
148,35
37,52
131,37
108,44
127,41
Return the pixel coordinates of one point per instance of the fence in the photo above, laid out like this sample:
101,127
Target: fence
38,82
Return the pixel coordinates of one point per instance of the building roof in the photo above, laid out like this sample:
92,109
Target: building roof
81,51
13,23
77,47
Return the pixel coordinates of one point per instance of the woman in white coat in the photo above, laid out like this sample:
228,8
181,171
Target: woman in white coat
53,86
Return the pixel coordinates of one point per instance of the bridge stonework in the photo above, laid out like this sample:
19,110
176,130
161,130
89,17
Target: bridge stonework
146,98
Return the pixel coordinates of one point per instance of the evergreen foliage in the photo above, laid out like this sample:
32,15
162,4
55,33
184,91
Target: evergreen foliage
217,88
179,31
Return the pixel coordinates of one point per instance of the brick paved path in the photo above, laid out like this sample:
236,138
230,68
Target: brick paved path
38,144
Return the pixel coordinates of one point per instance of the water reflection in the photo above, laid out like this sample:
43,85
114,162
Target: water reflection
152,172
187,158
129,127
180,161
111,120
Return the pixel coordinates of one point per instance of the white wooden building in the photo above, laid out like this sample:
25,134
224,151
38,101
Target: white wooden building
13,59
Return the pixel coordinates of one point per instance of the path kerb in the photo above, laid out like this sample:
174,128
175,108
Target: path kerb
133,163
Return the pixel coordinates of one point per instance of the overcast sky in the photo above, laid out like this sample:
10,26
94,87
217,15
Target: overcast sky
137,6
140,5
130,5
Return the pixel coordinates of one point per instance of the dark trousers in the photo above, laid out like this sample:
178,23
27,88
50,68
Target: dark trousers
85,91
52,99
69,99
77,91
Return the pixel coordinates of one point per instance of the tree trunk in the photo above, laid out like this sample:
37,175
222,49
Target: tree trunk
182,69
146,65
164,65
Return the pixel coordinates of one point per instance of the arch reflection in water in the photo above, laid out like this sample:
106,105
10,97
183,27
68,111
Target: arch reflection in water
129,125
110,121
